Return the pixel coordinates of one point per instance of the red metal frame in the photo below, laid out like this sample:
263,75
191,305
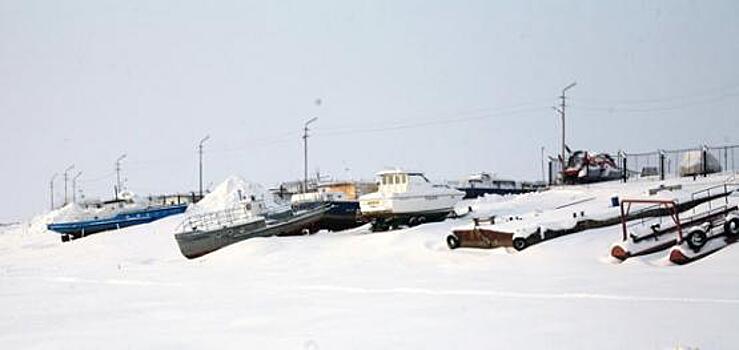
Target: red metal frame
670,205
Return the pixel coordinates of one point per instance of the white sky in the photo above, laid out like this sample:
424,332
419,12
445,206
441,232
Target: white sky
449,88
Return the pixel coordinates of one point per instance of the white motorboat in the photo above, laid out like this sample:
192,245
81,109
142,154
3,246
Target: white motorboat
407,198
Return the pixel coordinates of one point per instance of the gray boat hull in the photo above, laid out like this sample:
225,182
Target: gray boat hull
198,243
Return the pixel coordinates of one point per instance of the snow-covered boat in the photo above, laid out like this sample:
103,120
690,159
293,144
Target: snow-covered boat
407,198
204,233
97,216
698,162
587,167
483,183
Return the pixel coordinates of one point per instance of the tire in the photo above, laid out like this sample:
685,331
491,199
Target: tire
731,227
305,231
421,220
412,222
697,239
65,238
379,226
519,243
452,241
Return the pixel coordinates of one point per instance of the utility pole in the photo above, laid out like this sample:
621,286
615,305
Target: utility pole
51,189
200,153
118,175
74,186
305,151
561,110
66,178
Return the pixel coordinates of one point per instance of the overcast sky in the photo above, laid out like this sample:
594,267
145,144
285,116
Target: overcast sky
449,88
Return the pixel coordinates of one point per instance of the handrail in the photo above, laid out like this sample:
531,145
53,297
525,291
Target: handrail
218,219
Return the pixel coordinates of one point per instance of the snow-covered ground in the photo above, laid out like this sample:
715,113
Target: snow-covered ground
346,290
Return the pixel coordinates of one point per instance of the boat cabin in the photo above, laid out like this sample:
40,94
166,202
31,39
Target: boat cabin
397,181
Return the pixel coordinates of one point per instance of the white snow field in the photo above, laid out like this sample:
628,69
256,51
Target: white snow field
402,289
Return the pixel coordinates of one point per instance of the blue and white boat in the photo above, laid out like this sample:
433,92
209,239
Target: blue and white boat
94,217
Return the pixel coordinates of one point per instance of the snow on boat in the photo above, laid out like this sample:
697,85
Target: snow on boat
587,167
698,162
407,198
205,233
93,217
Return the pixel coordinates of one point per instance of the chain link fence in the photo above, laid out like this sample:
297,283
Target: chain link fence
698,161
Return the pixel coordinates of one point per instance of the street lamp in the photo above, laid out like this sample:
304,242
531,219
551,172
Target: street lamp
66,177
200,152
561,111
305,153
118,174
74,187
51,189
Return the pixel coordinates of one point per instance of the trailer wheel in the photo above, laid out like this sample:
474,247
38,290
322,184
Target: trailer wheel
412,221
519,243
731,227
452,241
697,239
379,226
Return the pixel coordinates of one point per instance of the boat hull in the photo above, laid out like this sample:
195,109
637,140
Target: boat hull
474,192
341,215
198,243
408,205
83,228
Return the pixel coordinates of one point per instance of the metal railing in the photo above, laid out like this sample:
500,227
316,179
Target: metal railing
218,219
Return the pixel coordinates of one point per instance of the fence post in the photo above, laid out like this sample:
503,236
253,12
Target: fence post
703,161
726,158
661,165
625,172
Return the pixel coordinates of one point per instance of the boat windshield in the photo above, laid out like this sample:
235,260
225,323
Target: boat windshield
418,177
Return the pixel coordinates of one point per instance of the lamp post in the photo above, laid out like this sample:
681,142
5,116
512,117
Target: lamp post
66,178
305,153
200,154
51,189
561,111
74,187
118,174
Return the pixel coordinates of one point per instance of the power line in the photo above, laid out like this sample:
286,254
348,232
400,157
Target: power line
656,100
615,109
364,130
